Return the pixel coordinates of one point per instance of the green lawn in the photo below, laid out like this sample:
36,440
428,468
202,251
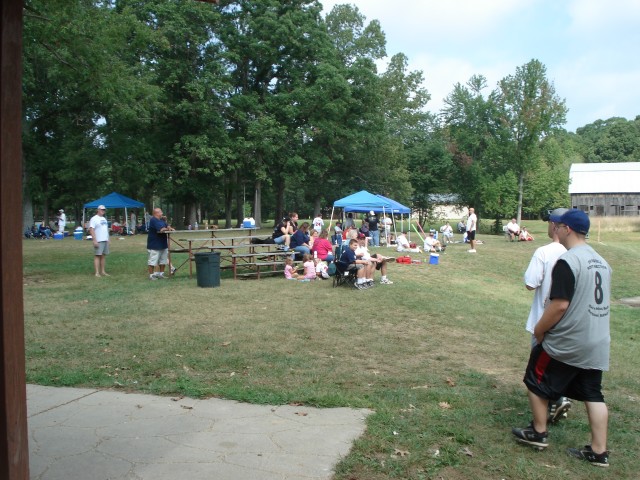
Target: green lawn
439,355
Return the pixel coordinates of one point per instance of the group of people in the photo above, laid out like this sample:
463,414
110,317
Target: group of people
157,243
356,257
516,233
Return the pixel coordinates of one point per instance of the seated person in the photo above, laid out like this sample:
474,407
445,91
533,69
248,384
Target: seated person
44,231
351,233
348,223
300,239
281,233
336,238
289,270
364,228
403,245
322,247
377,262
447,233
525,236
30,232
309,267
348,261
313,236
431,244
513,230
462,226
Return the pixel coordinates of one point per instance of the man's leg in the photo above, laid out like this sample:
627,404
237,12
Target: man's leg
96,264
102,264
598,420
539,408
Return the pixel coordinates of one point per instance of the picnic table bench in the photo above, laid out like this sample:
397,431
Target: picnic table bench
237,252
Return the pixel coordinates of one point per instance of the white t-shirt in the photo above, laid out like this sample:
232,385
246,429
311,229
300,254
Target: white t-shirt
62,221
318,224
363,253
100,227
538,276
513,227
471,222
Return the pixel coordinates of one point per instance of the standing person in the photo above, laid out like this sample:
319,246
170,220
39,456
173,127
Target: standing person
147,219
374,232
573,340
348,223
158,245
132,224
99,231
62,221
472,223
318,223
387,222
538,278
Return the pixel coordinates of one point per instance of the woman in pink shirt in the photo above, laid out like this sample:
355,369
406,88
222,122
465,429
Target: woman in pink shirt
323,247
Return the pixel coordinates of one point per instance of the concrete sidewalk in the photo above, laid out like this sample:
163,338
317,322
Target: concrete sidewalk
77,434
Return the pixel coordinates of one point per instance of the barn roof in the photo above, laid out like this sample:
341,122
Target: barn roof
605,177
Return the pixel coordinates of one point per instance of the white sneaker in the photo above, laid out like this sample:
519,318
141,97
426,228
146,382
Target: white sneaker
173,269
386,281
473,250
153,277
161,276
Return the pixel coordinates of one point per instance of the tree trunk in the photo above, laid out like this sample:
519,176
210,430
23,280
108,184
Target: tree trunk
316,206
239,207
228,204
257,204
520,190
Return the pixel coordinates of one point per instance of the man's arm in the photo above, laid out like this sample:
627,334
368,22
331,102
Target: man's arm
552,315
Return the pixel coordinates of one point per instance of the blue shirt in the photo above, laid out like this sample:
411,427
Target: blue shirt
348,257
299,238
155,239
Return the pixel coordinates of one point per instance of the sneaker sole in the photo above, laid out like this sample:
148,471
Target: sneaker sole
529,443
560,413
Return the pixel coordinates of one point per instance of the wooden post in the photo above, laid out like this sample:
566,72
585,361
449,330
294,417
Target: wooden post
14,448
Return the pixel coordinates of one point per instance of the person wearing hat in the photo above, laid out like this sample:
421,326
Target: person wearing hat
572,340
99,231
537,278
431,244
62,221
374,232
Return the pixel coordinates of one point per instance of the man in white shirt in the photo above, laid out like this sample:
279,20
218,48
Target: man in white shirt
377,262
471,229
403,245
513,229
99,230
538,278
431,244
62,221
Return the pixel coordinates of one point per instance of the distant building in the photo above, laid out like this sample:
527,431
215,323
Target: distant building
606,189
447,205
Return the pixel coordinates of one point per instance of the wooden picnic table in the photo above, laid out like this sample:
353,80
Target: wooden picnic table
236,251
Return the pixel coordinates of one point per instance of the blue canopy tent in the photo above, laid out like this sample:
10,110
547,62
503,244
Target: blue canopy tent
114,200
365,202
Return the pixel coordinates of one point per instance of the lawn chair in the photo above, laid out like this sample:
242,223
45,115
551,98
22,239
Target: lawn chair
341,276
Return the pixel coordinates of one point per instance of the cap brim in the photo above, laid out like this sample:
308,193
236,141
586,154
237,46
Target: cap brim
554,218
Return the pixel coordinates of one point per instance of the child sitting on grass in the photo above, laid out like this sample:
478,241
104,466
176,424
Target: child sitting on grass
289,271
309,267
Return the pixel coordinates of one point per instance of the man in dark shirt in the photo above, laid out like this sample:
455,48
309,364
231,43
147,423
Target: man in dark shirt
158,245
374,233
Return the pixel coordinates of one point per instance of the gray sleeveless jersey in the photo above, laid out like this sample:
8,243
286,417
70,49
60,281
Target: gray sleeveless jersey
581,338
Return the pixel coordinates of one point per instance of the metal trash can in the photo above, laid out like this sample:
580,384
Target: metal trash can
208,269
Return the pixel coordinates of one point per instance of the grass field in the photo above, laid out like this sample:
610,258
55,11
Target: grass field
438,355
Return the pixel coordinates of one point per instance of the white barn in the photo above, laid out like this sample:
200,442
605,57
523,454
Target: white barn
606,189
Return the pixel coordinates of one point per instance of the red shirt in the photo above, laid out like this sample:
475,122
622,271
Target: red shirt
323,247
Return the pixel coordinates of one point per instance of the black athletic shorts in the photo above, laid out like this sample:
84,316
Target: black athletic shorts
552,379
471,235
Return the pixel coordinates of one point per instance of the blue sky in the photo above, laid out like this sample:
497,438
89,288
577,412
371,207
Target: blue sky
590,47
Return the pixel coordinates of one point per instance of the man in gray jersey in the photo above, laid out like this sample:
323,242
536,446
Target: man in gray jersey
573,340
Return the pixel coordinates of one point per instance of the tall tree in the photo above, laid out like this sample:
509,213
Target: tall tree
529,111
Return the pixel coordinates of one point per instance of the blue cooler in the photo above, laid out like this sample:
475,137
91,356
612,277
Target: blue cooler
58,236
248,223
77,235
433,259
